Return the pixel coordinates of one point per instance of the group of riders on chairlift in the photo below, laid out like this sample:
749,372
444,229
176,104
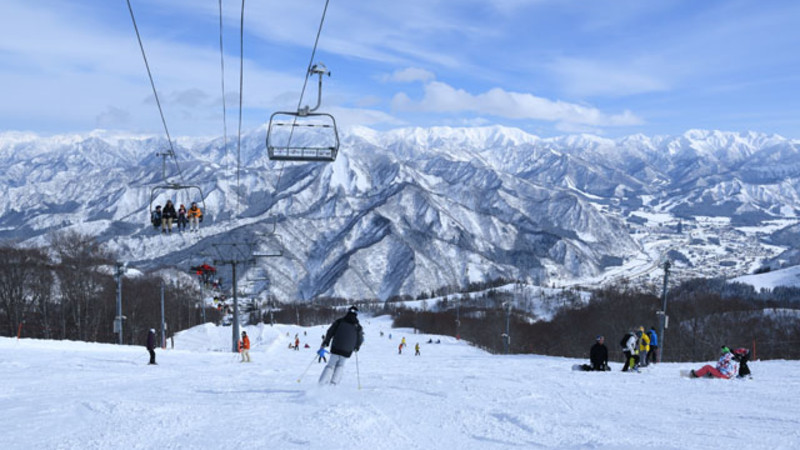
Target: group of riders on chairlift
164,218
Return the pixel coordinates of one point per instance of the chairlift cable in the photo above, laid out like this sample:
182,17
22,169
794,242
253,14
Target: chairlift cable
239,137
302,94
222,77
155,92
308,68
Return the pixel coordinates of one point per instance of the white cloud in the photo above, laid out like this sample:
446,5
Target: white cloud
440,97
410,75
587,78
348,117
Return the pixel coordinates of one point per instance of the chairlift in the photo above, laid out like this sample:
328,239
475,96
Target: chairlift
193,193
315,133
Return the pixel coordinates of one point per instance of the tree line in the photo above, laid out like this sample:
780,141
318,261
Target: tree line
68,290
704,314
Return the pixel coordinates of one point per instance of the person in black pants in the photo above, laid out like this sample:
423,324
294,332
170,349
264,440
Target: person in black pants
151,345
598,356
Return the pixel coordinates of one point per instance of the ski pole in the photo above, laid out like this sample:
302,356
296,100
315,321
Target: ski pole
358,375
307,368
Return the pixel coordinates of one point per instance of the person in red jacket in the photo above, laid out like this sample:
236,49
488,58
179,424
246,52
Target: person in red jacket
244,347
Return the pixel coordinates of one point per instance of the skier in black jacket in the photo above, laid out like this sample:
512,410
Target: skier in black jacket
151,345
347,336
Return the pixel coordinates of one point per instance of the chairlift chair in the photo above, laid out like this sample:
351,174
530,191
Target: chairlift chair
168,186
304,125
158,190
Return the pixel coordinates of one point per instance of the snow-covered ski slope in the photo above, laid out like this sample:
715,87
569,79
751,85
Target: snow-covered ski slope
74,395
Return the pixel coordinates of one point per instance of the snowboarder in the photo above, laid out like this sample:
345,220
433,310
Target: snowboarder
296,342
244,347
416,350
403,341
726,367
345,336
742,356
400,349
151,345
168,214
628,344
598,356
195,216
652,355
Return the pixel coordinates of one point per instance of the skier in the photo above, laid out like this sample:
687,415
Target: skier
400,349
244,347
643,341
628,344
296,342
652,355
598,356
416,350
168,214
726,367
321,354
151,345
345,335
403,341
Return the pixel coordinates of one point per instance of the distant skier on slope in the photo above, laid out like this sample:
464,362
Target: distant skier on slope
652,355
244,347
416,350
151,345
345,335
628,344
726,367
644,346
598,356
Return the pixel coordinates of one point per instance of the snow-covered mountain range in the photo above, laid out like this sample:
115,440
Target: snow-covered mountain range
410,210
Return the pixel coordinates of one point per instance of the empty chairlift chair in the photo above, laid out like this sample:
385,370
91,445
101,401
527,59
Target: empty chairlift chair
304,135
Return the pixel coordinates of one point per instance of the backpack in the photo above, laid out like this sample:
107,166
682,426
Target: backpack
624,340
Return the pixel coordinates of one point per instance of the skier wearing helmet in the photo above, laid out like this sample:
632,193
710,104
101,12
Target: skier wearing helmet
345,335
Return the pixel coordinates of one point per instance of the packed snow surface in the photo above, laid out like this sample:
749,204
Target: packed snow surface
59,394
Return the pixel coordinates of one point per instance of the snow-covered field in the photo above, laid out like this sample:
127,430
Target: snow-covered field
97,396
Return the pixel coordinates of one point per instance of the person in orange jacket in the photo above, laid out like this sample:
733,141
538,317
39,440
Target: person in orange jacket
195,216
244,347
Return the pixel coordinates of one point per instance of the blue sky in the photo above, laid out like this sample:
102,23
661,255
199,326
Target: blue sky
550,67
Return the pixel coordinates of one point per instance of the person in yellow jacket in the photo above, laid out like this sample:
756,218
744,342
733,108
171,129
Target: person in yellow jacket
195,216
644,346
244,347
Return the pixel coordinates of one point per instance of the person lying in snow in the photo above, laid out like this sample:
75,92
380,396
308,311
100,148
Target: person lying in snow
726,367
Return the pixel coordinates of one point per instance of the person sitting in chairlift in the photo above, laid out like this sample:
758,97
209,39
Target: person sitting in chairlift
195,217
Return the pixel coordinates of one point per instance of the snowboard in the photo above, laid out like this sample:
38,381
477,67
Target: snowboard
578,367
686,373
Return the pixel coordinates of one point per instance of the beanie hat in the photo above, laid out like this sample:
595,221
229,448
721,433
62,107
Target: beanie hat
353,310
